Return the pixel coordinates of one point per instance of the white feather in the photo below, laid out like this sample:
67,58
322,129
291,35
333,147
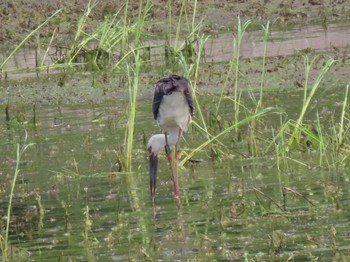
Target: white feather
174,112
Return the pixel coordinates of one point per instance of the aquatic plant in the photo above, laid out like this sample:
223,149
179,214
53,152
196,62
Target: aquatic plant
87,224
234,65
4,242
263,69
341,132
214,138
295,136
299,134
133,79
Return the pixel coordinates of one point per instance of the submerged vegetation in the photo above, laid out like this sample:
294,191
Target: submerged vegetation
240,116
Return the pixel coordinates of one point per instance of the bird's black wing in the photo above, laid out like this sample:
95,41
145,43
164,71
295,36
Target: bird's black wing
159,91
181,83
189,97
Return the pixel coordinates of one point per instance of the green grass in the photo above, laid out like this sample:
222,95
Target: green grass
295,136
4,239
133,82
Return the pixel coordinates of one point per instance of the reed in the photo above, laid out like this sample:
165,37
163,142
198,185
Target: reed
237,97
263,70
124,39
76,46
4,240
246,120
340,136
293,129
234,66
133,71
323,146
133,79
295,136
87,224
178,27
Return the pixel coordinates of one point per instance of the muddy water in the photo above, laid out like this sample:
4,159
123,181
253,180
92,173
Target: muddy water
236,209
217,49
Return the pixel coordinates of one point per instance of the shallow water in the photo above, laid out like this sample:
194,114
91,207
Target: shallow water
234,209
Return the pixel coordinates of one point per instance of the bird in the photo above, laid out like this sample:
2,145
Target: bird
173,109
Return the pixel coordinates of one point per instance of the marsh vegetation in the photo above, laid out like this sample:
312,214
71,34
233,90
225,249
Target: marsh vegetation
264,166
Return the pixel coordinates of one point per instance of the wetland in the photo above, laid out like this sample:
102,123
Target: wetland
264,169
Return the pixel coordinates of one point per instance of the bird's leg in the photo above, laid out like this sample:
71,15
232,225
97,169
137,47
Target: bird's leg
177,156
177,145
168,155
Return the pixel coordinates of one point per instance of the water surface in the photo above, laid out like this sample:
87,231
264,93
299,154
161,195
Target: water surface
236,208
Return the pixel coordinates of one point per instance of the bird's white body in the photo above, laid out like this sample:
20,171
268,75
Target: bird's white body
174,111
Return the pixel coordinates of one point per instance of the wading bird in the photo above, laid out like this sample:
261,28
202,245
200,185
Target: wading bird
172,108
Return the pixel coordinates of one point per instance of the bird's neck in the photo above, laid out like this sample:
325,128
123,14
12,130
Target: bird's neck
157,142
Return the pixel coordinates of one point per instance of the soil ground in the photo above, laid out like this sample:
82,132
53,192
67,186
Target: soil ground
19,17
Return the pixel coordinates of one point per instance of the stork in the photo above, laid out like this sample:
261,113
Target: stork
172,109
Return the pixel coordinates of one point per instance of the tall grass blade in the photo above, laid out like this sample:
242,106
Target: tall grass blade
133,79
341,126
19,153
240,33
246,120
76,47
307,99
263,70
234,64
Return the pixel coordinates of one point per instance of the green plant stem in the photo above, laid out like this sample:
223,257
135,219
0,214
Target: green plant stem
169,29
183,4
234,63
307,99
240,31
199,110
133,89
124,39
76,47
194,15
263,70
246,120
341,126
19,154
48,48
10,200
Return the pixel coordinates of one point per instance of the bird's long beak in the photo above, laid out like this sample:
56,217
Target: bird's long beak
153,169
